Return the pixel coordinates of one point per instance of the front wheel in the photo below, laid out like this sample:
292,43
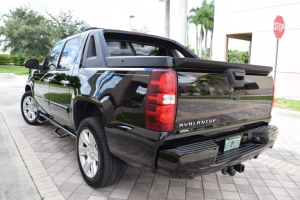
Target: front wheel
98,166
29,109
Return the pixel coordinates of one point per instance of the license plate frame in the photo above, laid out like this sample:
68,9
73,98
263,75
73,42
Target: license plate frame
232,142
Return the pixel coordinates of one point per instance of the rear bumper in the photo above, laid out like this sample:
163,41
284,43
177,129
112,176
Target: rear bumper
208,156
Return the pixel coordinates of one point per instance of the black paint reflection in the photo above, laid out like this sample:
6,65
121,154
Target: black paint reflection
210,98
121,95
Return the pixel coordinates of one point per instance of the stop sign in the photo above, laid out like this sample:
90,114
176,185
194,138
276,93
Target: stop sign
279,27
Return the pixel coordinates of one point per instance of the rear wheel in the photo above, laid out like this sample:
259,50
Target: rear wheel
98,166
29,109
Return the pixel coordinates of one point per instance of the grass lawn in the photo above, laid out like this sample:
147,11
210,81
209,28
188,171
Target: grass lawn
287,104
17,70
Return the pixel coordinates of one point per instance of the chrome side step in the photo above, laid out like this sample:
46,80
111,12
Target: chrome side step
59,126
41,121
60,135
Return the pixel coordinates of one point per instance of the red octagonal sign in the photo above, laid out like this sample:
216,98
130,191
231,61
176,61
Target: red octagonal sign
279,27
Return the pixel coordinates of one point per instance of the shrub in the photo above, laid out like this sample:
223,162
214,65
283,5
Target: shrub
217,93
16,60
190,48
204,93
4,59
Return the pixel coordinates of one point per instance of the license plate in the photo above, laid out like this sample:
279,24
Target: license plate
232,142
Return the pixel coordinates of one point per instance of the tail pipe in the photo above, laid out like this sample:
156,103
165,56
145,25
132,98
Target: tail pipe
231,170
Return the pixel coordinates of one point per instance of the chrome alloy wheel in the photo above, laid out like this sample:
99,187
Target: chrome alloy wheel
88,153
29,108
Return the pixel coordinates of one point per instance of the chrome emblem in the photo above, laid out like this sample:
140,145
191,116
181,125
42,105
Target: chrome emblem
195,123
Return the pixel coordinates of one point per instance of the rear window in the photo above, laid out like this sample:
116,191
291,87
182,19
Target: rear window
119,49
134,49
144,50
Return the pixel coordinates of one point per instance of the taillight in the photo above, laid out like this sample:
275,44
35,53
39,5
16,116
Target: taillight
161,99
273,97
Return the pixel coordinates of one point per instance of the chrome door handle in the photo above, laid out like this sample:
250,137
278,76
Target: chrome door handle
65,82
47,80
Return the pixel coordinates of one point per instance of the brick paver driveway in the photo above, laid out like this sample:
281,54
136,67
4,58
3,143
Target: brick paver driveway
275,175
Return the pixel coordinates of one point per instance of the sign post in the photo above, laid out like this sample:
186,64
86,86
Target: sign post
279,27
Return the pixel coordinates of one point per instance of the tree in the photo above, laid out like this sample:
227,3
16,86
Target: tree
190,48
195,19
65,24
207,15
203,17
167,17
143,29
238,56
26,32
211,27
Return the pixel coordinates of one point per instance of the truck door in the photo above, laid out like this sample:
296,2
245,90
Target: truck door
62,80
43,78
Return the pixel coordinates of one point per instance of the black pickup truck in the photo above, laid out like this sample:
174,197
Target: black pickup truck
147,101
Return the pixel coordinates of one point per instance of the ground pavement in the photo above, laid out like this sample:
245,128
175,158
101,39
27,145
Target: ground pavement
35,164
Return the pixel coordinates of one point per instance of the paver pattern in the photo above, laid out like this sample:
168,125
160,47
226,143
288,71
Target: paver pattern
275,175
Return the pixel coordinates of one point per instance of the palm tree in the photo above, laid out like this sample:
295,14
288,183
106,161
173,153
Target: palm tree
211,26
211,29
167,17
203,17
206,15
196,20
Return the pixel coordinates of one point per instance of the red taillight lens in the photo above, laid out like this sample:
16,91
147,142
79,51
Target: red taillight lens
273,98
166,83
161,100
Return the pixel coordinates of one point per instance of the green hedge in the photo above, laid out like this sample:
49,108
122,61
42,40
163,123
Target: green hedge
16,60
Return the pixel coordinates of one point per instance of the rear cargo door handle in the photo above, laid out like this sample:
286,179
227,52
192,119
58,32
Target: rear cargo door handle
236,77
65,82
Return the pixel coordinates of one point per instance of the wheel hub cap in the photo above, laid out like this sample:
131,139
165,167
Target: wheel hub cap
29,109
88,153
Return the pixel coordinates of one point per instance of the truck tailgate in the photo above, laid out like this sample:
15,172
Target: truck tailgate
209,103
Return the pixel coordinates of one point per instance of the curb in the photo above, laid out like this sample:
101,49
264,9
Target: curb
8,74
286,112
11,74
44,183
17,75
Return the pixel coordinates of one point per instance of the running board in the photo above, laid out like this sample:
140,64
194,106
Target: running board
60,135
41,121
59,126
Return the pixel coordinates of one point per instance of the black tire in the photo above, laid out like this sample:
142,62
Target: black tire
30,119
110,168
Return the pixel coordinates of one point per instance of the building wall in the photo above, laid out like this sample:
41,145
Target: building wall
257,17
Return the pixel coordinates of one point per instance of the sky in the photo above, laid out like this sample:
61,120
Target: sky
115,14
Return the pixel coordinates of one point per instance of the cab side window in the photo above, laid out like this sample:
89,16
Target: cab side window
52,58
69,54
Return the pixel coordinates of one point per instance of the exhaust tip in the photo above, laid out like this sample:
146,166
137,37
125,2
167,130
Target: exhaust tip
231,170
240,168
224,171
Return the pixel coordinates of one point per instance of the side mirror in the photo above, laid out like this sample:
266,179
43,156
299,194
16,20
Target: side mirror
31,63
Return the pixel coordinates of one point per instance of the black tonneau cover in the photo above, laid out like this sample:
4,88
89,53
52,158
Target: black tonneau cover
140,61
192,64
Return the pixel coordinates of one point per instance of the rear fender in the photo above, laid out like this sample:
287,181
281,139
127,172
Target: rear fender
84,107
